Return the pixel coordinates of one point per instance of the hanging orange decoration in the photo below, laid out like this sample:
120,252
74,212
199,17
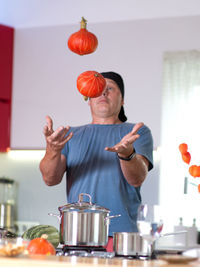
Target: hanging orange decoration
183,148
186,157
194,170
91,84
199,188
83,42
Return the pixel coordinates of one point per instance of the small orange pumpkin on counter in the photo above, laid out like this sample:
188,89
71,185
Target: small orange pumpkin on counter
83,42
91,84
41,246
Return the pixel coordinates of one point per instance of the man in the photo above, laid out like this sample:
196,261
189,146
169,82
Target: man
108,159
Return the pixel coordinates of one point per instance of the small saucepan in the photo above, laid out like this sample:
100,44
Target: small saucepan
134,244
131,244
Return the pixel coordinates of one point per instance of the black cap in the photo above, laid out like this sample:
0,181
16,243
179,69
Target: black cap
119,81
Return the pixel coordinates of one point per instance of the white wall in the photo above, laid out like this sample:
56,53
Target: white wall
45,73
35,200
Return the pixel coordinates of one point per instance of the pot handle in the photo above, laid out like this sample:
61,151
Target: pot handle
106,219
55,215
173,233
80,198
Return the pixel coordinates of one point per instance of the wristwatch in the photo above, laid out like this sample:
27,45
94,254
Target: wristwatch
129,157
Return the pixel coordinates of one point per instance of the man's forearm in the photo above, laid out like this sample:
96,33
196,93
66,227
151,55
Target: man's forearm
52,167
135,170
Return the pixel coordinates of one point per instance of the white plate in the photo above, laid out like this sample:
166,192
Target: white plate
195,252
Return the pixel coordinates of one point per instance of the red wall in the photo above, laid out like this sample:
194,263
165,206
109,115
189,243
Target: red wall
6,69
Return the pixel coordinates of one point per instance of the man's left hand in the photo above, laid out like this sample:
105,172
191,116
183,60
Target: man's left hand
125,147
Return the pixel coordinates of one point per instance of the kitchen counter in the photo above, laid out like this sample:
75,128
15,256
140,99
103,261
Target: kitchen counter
59,261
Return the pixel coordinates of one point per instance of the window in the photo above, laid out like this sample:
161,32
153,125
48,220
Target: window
180,124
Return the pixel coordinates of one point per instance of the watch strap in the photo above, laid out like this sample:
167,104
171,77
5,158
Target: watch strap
129,157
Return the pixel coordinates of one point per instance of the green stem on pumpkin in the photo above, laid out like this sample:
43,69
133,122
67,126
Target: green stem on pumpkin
83,23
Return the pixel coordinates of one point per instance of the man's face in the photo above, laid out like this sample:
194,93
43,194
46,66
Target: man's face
109,103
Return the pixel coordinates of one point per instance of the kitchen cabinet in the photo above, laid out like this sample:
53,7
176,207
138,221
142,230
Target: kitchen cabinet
5,109
6,67
6,62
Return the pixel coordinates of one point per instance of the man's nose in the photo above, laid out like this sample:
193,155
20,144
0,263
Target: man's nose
105,92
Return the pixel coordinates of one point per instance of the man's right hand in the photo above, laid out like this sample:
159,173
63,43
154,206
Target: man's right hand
56,139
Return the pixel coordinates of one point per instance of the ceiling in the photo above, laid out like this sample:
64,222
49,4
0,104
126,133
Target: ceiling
37,13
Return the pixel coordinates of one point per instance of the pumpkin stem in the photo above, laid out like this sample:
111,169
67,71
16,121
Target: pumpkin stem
83,23
85,98
44,236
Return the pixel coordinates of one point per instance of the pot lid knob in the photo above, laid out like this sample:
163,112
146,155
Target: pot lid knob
80,198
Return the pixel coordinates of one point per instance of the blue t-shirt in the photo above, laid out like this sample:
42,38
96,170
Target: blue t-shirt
92,170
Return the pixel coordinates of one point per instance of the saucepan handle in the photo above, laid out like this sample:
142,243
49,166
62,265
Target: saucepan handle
56,215
106,220
173,233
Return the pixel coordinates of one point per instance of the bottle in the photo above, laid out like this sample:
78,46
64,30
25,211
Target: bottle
192,234
181,239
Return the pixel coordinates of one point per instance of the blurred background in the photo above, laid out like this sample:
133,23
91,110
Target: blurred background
154,45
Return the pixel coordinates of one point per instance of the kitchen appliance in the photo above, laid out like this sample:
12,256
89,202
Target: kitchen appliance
7,203
98,252
84,251
84,223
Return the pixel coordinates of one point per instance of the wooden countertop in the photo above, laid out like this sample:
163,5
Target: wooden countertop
59,261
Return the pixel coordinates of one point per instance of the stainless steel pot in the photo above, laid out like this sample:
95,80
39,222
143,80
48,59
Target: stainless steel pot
131,244
83,223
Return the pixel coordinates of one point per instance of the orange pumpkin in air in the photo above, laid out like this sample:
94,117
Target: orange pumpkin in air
83,42
91,84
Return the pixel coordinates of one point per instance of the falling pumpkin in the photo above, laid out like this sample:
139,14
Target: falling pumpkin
83,42
91,84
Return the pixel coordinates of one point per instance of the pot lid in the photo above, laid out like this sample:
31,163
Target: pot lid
83,206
